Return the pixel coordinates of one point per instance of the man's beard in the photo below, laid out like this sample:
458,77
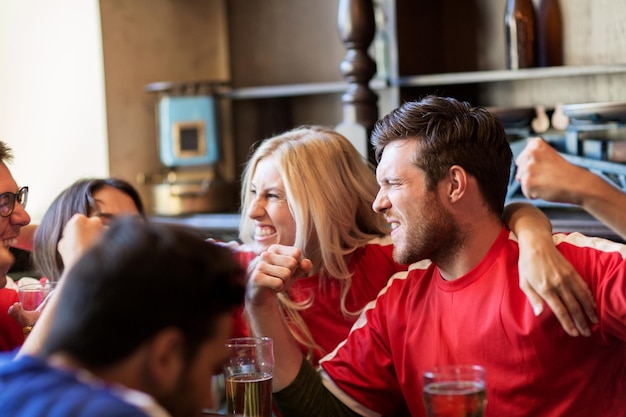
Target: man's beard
432,237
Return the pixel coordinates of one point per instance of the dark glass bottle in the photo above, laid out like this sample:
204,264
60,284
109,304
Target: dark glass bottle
521,41
550,33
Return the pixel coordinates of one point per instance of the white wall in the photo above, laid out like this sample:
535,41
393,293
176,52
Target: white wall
52,102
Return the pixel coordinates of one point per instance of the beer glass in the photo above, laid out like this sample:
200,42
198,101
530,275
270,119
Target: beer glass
248,376
455,391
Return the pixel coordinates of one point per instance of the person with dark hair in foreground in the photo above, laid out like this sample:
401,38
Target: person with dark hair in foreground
137,327
443,172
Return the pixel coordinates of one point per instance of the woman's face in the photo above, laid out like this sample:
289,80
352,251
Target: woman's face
111,202
269,208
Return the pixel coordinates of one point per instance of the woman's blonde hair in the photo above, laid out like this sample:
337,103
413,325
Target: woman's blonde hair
330,189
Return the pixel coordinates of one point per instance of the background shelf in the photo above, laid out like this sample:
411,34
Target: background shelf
473,77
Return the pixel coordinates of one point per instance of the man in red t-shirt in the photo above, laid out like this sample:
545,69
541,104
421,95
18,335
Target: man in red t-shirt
12,218
443,173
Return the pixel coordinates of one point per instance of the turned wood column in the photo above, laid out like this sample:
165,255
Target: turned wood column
360,108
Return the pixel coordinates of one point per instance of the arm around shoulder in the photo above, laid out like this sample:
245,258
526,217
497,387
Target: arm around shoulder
544,274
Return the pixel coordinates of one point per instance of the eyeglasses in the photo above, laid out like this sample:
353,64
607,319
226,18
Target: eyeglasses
7,201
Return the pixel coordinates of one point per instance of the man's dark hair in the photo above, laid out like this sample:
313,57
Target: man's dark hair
451,132
139,279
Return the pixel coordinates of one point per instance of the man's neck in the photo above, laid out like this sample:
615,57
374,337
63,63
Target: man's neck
473,245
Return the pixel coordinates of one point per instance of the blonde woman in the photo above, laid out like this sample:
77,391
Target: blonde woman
310,189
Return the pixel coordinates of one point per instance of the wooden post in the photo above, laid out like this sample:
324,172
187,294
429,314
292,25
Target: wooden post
360,109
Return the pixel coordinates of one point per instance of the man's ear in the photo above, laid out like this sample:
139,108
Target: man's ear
165,358
457,180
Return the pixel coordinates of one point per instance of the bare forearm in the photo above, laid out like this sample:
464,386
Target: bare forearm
266,320
79,234
605,202
524,218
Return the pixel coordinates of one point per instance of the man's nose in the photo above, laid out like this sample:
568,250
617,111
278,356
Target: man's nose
381,203
19,215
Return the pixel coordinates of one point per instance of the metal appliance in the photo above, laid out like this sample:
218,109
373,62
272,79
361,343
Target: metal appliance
597,130
188,130
188,134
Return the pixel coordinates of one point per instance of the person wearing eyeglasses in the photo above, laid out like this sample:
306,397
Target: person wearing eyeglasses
13,217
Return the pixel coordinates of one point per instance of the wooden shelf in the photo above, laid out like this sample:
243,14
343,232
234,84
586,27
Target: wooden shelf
452,78
293,90
474,77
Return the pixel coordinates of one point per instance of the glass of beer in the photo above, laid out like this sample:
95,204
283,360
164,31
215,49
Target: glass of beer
248,376
455,391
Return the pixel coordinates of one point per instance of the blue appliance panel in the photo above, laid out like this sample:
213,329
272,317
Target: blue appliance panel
188,130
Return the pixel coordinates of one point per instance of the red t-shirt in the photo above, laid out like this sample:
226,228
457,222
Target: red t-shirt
533,367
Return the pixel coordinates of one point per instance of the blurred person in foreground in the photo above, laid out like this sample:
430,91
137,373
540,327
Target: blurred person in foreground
545,174
443,172
123,341
13,217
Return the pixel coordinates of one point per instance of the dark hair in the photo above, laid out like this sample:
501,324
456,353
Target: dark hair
75,199
140,278
6,154
452,132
